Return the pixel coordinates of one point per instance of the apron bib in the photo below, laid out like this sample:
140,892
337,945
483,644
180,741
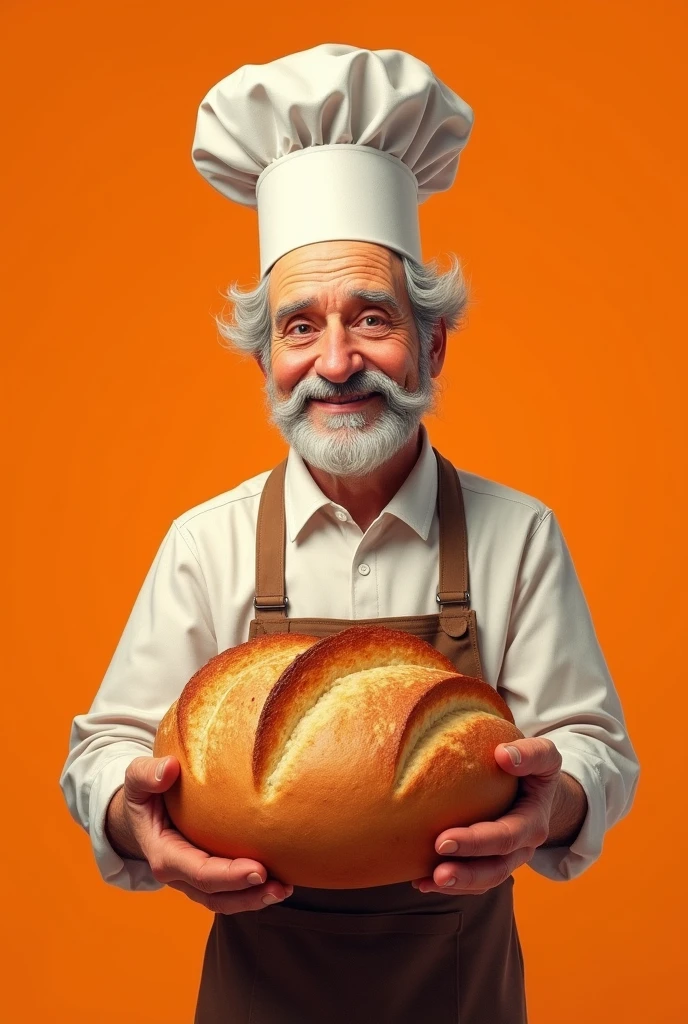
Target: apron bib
383,955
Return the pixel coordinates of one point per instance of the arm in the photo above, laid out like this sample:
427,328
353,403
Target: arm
168,636
556,681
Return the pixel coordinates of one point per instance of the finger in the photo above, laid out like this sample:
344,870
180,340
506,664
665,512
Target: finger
175,859
521,827
481,872
236,902
427,885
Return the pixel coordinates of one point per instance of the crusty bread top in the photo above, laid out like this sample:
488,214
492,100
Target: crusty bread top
357,662
261,708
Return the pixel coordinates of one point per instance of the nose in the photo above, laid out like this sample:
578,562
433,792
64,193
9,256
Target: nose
338,356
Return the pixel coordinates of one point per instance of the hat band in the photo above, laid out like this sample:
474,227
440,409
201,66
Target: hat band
342,191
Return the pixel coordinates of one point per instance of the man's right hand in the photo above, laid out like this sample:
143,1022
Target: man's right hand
138,826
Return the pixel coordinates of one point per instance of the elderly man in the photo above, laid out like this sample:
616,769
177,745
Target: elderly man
349,327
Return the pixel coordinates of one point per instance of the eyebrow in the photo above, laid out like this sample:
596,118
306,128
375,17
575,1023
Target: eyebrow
293,307
374,298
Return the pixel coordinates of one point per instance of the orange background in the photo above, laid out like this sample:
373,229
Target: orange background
122,411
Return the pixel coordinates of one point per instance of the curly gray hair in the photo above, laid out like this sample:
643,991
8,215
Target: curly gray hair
433,295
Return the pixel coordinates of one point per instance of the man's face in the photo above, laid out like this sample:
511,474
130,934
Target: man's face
346,381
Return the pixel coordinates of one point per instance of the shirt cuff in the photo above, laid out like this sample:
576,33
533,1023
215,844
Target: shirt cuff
129,874
563,863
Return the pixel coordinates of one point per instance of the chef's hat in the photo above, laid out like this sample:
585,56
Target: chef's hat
332,142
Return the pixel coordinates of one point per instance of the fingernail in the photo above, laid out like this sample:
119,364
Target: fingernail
289,889
450,881
514,754
254,878
270,898
160,770
448,846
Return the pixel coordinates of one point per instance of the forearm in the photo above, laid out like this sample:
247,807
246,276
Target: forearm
569,809
118,833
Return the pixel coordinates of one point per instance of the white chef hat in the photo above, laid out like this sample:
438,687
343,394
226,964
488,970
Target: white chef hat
332,142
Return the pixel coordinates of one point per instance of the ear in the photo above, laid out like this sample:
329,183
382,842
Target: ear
438,348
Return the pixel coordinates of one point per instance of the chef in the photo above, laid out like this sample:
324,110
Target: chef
363,522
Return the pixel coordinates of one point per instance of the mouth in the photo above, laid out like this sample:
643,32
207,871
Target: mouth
346,403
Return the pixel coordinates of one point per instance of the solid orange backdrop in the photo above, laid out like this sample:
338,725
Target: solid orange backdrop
122,411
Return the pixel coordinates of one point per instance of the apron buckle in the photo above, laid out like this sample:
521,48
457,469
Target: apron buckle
269,605
462,597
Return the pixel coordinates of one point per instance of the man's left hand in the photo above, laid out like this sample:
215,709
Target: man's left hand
489,851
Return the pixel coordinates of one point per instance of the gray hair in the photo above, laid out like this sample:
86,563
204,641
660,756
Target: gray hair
433,295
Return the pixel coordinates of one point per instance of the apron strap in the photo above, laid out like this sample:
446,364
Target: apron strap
271,537
453,598
452,595
453,583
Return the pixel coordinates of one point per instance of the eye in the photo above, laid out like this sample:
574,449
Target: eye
297,328
381,322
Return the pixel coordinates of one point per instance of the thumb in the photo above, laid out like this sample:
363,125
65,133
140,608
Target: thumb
532,756
147,775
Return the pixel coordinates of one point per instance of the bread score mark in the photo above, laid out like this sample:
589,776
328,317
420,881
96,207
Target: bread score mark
314,673
201,709
358,696
439,729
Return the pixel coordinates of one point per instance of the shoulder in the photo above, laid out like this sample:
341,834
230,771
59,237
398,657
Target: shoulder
492,503
238,504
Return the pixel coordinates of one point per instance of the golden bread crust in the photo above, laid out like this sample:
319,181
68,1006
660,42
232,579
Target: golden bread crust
335,762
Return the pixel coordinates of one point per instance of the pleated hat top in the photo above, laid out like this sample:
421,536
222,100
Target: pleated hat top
335,142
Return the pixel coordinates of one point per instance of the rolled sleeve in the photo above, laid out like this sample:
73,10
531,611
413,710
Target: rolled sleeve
555,679
167,638
125,873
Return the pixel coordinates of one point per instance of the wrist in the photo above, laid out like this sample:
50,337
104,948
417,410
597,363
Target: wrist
118,829
569,809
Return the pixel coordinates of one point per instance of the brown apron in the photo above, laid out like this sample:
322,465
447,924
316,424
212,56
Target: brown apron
383,955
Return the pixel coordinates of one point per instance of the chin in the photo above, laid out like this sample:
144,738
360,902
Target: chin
342,423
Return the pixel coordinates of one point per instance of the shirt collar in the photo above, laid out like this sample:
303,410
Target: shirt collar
302,496
414,503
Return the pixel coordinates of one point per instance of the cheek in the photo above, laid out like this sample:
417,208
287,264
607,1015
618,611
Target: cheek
288,366
395,358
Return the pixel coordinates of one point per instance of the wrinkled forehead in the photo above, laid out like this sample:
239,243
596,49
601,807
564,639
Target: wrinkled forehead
334,272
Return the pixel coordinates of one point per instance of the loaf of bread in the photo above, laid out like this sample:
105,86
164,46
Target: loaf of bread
337,762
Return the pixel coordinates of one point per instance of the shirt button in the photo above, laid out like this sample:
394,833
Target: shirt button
364,569
341,516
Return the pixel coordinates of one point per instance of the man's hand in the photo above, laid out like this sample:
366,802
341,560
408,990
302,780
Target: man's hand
138,826
489,851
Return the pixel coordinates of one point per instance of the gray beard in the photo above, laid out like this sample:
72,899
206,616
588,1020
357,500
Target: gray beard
349,445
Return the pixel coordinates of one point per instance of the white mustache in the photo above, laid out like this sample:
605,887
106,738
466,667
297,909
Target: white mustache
361,382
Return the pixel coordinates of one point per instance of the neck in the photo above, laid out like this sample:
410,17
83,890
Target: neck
364,497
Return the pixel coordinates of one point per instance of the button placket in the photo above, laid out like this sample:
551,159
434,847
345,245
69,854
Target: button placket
364,583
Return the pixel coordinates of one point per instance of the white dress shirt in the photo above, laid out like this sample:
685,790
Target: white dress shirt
536,638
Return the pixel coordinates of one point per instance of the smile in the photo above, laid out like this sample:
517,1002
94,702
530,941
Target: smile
345,401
